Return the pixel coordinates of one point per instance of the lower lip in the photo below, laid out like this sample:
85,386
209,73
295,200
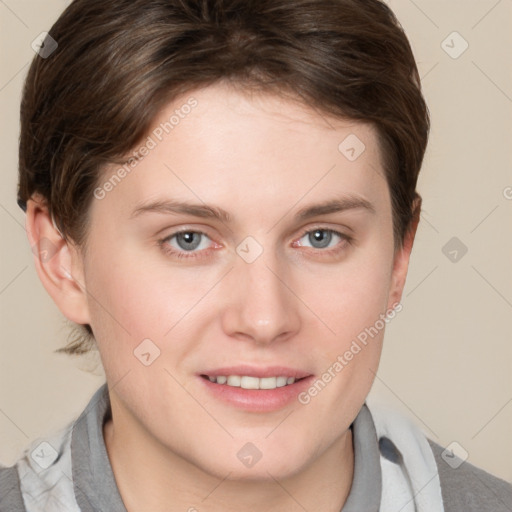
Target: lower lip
257,400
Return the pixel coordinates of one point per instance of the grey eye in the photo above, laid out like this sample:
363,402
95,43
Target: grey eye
187,240
320,238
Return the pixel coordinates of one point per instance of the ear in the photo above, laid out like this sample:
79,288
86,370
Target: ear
58,263
402,255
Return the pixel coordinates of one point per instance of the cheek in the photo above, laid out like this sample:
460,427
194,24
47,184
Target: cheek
133,301
142,299
350,297
353,305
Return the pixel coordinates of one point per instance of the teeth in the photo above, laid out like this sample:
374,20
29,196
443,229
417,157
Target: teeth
281,381
268,383
234,380
247,382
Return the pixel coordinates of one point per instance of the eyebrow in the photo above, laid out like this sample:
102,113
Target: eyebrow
336,205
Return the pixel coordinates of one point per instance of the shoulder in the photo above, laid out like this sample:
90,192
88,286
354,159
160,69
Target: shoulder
437,474
468,488
38,480
10,492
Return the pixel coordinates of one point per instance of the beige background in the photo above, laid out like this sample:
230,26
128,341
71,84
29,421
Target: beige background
447,360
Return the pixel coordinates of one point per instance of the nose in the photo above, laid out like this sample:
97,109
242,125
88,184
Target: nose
262,307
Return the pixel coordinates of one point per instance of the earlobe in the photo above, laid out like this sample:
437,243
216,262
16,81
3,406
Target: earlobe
402,256
58,263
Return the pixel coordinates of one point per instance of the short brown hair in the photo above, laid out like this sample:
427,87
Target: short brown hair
118,62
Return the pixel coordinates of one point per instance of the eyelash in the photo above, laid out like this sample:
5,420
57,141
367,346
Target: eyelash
346,239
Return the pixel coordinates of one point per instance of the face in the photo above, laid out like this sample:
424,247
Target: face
251,241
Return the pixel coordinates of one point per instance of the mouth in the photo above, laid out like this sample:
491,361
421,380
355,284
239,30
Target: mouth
255,389
250,382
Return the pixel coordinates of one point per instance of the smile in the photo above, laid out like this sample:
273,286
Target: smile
248,382
256,389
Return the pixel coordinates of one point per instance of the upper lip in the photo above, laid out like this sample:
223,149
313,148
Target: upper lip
260,372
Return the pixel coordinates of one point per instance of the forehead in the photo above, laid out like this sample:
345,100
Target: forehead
249,151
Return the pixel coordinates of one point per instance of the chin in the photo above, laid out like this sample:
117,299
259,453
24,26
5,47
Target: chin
244,462
261,471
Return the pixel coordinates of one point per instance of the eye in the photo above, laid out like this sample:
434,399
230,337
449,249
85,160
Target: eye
194,244
183,242
322,238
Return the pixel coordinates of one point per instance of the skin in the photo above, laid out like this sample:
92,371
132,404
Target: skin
262,158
